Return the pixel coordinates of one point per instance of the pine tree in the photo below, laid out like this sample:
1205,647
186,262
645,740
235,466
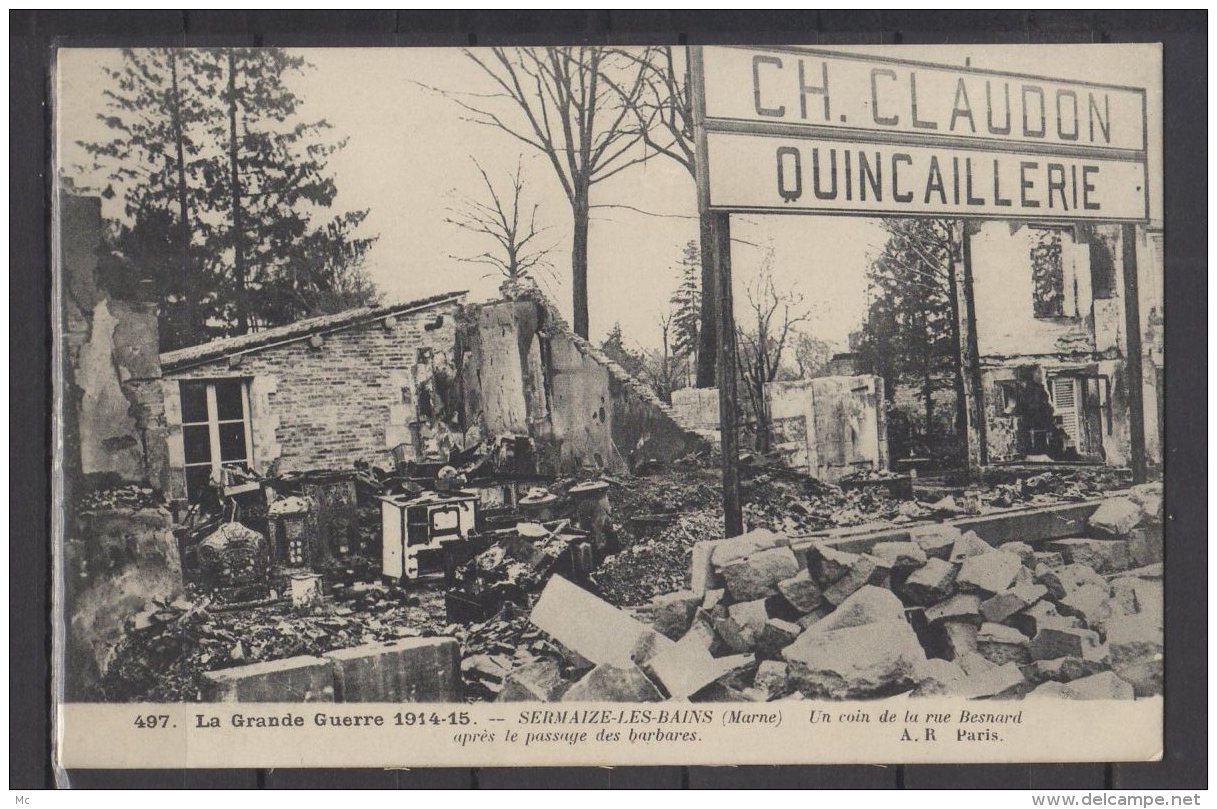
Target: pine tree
154,160
218,167
686,305
910,335
270,186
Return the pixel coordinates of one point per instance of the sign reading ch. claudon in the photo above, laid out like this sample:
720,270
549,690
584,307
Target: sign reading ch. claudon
801,130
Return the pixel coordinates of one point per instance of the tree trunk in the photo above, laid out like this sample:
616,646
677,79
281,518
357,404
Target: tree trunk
927,390
707,335
238,232
578,262
957,351
189,335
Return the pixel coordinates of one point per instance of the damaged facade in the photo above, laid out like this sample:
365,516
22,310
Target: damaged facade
828,427
113,425
1050,324
407,382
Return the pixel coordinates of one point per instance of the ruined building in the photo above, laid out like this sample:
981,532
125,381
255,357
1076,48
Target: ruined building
1050,323
410,381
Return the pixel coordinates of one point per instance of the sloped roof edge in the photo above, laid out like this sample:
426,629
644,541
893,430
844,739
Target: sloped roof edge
300,329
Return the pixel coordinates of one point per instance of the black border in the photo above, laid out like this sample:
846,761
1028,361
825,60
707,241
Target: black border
1184,35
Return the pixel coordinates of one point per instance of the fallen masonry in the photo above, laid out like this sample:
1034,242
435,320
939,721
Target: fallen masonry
994,607
941,613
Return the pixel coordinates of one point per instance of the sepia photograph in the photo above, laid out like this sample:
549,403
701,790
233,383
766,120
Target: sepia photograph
733,386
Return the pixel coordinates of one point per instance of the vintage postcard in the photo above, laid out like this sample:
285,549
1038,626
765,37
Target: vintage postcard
602,405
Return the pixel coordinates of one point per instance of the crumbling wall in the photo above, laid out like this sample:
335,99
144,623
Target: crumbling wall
525,372
496,353
119,562
827,427
1006,431
353,394
114,426
839,420
1004,292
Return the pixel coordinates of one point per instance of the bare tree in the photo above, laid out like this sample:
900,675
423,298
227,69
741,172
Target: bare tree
664,371
568,112
662,115
516,253
774,316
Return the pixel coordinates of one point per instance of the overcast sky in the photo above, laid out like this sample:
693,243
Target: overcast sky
409,151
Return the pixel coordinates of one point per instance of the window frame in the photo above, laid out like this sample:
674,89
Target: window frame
216,462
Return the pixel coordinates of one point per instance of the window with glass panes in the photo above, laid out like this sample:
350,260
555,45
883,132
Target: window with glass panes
215,430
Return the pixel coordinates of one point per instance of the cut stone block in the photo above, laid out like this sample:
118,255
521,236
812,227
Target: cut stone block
591,627
1063,580
959,607
1135,650
1145,545
538,681
1149,497
1116,516
973,664
775,636
702,574
969,544
881,575
405,670
609,683
1003,605
1001,644
900,554
1091,603
672,613
1040,615
702,631
1024,552
1132,595
815,616
938,677
801,592
869,605
296,679
1047,559
857,576
1104,685
1101,555
990,572
931,584
771,678
743,624
1063,669
828,564
756,576
1052,642
687,668
936,541
871,660
733,549
995,682
959,638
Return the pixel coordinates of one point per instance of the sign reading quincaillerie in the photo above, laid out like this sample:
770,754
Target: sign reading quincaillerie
799,130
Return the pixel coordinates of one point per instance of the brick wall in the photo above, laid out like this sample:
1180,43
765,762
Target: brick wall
353,398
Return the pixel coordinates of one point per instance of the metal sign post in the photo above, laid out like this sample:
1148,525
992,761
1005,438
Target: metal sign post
719,251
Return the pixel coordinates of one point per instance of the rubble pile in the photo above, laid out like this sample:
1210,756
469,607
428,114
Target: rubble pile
129,496
1019,488
663,517
168,648
766,617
